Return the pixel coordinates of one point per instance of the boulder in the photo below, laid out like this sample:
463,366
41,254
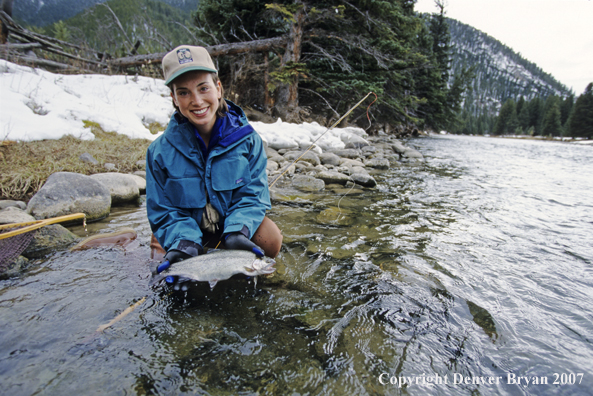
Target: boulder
329,159
347,153
398,147
364,179
350,162
307,183
65,193
309,157
377,163
49,239
123,188
410,153
140,182
354,141
9,202
330,177
272,166
12,214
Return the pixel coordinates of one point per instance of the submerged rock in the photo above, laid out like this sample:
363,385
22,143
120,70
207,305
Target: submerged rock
49,239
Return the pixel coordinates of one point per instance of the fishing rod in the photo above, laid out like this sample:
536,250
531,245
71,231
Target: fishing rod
320,136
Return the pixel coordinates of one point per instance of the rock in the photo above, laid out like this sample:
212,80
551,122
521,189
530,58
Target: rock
330,177
7,203
369,150
123,188
307,183
140,182
12,214
410,153
89,159
142,174
329,159
358,169
347,153
377,163
309,157
270,152
49,239
65,193
109,166
354,141
335,216
350,162
15,268
141,164
398,147
363,179
272,166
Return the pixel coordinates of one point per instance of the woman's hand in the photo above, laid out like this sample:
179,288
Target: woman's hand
238,241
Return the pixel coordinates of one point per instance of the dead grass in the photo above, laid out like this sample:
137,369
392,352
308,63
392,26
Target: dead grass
25,166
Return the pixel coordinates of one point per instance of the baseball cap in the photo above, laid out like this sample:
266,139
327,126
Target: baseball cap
186,58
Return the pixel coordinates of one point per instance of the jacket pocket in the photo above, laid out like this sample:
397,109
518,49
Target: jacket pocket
186,193
230,173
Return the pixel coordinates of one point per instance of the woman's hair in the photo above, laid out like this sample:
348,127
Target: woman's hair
223,108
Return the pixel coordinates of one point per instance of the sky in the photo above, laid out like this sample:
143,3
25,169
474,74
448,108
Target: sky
36,104
556,35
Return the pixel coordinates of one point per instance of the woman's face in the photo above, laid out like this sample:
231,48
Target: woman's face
197,96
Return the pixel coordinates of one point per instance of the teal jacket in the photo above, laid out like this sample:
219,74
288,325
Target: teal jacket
178,177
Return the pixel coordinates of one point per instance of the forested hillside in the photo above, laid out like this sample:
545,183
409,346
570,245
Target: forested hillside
45,12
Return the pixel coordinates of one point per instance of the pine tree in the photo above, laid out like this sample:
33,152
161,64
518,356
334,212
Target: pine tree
552,125
580,123
506,122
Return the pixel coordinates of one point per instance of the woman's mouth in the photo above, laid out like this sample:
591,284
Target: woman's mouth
200,112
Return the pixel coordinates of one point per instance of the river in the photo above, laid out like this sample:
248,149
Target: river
468,274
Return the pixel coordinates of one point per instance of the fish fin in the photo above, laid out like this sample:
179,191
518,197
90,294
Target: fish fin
212,283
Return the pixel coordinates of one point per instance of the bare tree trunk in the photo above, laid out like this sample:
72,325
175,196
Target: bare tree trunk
268,101
287,99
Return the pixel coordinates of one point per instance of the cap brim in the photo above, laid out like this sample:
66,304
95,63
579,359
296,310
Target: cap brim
188,69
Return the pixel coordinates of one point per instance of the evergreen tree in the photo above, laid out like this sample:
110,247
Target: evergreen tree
580,123
535,115
566,109
523,117
552,125
506,122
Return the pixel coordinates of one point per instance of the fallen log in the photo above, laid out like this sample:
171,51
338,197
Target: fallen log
214,51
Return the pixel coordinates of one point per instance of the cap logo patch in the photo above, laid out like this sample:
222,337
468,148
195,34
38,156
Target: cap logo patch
184,56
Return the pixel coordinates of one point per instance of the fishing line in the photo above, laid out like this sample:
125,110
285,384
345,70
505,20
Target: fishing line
320,136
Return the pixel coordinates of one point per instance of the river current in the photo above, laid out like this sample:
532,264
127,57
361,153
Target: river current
468,274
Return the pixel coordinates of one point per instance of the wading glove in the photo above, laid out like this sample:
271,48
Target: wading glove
185,250
238,241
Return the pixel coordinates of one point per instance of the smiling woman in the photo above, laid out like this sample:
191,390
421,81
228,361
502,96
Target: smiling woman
206,175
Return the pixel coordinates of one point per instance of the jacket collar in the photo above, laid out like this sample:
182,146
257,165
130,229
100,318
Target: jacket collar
231,129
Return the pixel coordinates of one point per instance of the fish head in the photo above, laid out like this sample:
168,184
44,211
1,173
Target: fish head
262,266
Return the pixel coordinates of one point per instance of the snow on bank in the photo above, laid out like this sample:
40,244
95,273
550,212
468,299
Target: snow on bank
36,105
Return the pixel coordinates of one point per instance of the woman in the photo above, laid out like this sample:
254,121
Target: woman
206,179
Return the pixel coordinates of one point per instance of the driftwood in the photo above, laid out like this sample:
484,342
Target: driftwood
214,51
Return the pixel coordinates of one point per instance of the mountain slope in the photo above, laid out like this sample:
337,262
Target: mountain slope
45,12
500,73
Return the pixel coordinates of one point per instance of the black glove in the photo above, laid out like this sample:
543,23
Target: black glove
238,241
185,250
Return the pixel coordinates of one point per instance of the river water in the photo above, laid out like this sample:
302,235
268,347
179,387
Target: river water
469,274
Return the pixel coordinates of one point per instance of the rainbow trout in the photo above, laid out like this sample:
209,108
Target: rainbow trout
216,266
